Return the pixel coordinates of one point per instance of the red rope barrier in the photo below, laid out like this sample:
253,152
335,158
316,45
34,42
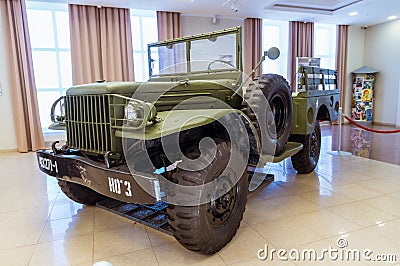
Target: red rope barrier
370,129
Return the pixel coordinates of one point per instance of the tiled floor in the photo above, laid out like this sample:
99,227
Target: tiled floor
349,197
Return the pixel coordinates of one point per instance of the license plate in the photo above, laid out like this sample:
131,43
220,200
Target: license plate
48,165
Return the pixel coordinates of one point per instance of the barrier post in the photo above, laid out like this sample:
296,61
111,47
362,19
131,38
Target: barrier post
339,152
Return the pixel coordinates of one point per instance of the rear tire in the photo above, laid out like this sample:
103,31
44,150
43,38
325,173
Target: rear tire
209,227
79,193
275,89
306,160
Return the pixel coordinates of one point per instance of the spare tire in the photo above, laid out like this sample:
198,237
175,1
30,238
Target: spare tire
274,90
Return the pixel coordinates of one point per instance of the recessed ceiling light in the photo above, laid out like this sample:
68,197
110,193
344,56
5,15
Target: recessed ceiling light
352,14
392,17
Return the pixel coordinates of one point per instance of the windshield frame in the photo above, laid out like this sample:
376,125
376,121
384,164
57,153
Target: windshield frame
187,40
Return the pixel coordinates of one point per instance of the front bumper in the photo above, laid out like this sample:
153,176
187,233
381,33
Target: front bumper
115,182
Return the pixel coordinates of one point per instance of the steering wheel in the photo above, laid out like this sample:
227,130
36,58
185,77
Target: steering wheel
219,61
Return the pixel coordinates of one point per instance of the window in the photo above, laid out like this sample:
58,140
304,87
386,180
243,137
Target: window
49,34
325,44
144,31
276,34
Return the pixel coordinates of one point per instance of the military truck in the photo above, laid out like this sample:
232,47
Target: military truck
195,135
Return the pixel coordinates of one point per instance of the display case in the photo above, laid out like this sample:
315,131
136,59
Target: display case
363,94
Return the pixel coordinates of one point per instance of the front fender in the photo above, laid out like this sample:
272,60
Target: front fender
175,121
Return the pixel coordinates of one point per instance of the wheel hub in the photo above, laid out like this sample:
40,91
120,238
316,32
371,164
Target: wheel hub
219,210
277,106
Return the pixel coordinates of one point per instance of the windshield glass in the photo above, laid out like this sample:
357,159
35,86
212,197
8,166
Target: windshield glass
168,59
214,51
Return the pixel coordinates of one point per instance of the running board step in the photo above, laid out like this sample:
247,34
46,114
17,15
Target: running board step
152,215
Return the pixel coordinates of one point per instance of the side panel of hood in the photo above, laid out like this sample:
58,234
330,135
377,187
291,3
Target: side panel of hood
166,95
129,88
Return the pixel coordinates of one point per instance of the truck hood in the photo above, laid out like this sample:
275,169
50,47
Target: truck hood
128,88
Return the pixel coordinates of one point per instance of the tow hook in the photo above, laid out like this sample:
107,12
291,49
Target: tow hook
110,162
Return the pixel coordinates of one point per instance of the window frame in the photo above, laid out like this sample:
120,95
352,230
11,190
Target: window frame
331,56
141,13
283,27
57,50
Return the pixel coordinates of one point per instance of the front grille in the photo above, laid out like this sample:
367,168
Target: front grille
88,123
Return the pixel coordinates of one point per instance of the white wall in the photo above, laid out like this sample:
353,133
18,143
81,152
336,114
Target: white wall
382,52
7,132
355,60
195,24
398,107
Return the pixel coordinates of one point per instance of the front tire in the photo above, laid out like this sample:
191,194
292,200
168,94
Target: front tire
79,193
306,160
208,227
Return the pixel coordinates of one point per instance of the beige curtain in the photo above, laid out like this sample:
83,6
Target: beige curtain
252,45
169,25
341,60
21,77
101,44
301,44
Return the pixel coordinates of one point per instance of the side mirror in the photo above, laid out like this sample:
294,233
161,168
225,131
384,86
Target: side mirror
272,53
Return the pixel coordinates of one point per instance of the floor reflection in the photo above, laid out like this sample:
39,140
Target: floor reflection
380,147
360,142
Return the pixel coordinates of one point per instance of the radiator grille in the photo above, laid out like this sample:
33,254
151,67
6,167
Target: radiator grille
88,123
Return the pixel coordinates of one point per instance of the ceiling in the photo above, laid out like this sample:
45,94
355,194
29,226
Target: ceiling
370,12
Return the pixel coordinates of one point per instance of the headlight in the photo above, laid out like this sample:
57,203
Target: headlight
57,112
138,113
130,112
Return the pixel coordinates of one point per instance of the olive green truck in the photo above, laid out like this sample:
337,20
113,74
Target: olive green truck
198,135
